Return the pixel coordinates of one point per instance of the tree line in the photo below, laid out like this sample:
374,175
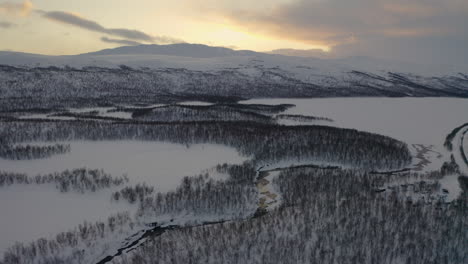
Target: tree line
265,142
328,216
29,152
79,180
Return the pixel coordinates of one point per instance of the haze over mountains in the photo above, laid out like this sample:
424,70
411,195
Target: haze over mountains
184,52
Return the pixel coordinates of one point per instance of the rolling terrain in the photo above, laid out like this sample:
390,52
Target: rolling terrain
194,154
151,74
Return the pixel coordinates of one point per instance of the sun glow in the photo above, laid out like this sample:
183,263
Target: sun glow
185,24
232,37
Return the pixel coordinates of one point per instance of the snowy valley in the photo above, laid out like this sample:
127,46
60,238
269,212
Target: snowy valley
173,154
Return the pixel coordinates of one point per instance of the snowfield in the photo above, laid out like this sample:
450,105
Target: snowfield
299,195
459,150
408,119
465,145
42,211
190,56
158,164
36,211
425,121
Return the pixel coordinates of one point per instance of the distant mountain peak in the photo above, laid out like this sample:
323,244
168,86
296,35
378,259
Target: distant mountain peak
180,49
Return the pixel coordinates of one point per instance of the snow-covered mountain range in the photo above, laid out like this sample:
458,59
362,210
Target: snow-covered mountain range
155,70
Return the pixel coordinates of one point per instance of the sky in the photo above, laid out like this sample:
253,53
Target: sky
427,31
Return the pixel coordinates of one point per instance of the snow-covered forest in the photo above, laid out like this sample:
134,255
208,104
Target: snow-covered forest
305,192
62,87
232,163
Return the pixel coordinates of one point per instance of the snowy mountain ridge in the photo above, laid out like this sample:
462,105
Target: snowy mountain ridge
181,50
197,56
152,72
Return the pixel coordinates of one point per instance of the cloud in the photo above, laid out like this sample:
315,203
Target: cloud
120,41
6,25
129,35
74,20
16,9
331,22
166,40
357,26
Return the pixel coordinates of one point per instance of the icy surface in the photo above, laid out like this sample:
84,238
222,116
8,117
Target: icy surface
117,114
425,121
39,211
100,110
413,120
465,145
32,211
158,164
459,143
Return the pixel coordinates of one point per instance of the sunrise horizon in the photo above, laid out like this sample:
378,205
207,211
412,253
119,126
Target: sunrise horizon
422,31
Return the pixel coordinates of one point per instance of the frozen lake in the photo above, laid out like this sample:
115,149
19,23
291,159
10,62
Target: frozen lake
413,120
38,211
425,121
465,145
34,211
159,164
41,211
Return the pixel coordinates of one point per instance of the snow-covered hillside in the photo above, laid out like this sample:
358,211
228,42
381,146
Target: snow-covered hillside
202,57
180,50
203,70
173,154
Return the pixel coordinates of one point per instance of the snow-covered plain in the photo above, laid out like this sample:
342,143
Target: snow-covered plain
413,120
465,145
459,147
103,112
100,110
425,121
158,164
42,211
32,212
